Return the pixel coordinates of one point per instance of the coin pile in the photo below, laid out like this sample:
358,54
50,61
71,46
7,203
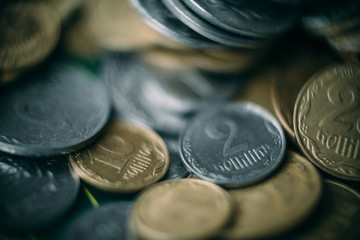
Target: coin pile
144,119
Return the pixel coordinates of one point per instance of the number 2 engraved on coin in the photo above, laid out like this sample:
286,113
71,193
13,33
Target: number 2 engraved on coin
345,99
214,132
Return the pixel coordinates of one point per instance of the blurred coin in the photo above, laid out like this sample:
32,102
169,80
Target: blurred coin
212,32
250,18
28,33
34,193
56,110
126,158
277,204
64,8
180,209
106,222
348,42
327,120
234,144
162,20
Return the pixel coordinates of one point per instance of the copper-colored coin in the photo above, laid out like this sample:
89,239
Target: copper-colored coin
278,203
327,120
28,32
180,209
126,158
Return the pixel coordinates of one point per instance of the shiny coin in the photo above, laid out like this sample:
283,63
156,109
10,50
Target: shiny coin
277,204
106,222
180,209
327,120
126,158
34,193
233,144
55,111
162,20
28,33
260,18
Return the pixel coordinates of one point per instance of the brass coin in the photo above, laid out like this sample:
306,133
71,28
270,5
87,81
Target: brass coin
278,203
127,158
180,209
327,120
28,32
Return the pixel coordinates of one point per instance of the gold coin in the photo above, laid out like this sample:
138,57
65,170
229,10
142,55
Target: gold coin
278,203
180,209
327,120
28,33
292,75
126,158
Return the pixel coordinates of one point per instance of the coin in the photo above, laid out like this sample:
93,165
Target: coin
54,111
126,158
336,217
277,204
327,120
234,144
180,209
183,13
261,18
162,20
106,222
29,31
34,192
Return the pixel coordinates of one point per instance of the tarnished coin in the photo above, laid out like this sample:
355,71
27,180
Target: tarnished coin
162,20
126,158
180,209
34,192
106,222
28,33
233,144
337,215
251,18
55,111
277,204
327,120
193,21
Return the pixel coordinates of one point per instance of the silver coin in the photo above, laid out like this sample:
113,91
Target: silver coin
106,222
54,111
34,192
125,77
208,30
251,18
233,144
157,16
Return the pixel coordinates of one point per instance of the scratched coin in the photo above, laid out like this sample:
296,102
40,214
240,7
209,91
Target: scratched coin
327,120
180,209
126,158
233,144
277,204
34,192
28,32
106,222
53,111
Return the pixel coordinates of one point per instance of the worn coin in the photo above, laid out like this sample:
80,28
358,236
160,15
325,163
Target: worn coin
327,120
277,204
53,111
106,222
162,20
233,144
251,18
126,158
34,192
28,33
181,209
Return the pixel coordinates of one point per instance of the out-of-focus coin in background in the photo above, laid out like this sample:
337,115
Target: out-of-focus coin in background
327,120
181,209
277,204
126,158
